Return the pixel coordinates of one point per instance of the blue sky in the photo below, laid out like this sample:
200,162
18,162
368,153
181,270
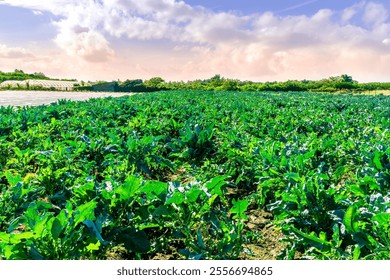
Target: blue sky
282,7
183,40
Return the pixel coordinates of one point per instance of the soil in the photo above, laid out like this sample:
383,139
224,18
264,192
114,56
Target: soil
269,246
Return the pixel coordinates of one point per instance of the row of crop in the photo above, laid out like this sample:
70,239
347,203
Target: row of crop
308,157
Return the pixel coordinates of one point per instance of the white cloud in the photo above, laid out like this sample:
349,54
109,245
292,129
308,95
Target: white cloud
13,53
375,14
37,13
257,46
90,45
352,11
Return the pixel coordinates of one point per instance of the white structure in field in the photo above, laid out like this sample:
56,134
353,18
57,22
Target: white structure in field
36,84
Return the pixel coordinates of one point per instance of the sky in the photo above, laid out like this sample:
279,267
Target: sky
258,40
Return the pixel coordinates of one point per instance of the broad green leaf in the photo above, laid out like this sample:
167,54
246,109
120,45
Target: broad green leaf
35,253
5,237
85,212
129,189
294,176
312,239
135,241
214,186
56,228
350,219
40,225
200,240
16,223
206,206
32,215
356,253
63,219
91,225
13,180
154,189
177,198
94,247
84,191
336,236
377,160
193,194
358,191
19,237
382,219
239,208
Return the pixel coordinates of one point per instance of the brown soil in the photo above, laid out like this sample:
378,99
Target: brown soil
269,246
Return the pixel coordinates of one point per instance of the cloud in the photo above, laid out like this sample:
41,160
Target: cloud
37,13
199,42
13,53
386,41
375,13
350,12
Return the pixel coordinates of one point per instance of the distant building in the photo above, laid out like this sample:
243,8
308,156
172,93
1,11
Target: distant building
110,87
37,84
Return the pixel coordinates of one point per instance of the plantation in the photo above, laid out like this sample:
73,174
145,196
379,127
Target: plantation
187,175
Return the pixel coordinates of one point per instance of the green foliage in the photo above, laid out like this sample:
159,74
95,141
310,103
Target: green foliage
132,86
19,75
178,173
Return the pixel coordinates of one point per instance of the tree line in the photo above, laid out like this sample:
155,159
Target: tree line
342,83
20,75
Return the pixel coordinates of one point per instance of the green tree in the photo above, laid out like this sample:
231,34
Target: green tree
155,83
132,86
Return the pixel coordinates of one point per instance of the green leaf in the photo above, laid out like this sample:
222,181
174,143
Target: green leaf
312,239
35,253
206,207
162,210
85,212
154,189
56,228
356,253
149,225
200,240
13,180
135,241
336,236
14,224
91,225
177,198
40,225
350,219
63,218
377,160
84,191
214,186
93,246
239,208
294,176
382,218
129,189
193,194
358,191
19,237
5,237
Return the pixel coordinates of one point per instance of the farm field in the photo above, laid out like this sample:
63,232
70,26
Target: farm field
197,175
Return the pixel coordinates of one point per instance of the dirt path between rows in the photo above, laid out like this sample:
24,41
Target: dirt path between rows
35,98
